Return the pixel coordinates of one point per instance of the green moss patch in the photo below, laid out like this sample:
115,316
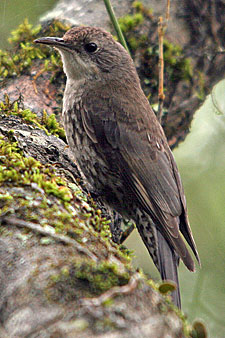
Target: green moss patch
15,167
129,22
96,277
101,277
47,123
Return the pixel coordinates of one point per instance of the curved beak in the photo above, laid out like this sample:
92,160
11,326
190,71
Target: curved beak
53,41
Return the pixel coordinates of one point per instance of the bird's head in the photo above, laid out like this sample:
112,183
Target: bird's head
87,52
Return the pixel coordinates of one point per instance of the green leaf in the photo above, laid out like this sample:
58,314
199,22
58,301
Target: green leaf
167,286
199,330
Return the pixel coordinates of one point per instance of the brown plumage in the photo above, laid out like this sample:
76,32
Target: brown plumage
121,147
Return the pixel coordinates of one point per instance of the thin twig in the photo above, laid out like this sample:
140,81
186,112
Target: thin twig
161,31
35,78
48,232
113,292
161,95
115,24
167,11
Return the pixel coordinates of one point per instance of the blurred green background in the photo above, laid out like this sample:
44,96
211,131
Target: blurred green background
13,13
201,161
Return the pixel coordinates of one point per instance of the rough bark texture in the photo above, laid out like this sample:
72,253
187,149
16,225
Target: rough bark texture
44,278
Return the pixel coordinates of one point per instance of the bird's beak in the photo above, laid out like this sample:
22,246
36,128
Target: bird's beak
53,41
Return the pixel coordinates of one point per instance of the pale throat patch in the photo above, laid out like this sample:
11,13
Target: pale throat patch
75,68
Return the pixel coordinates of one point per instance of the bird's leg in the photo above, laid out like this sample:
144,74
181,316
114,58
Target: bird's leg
126,233
120,228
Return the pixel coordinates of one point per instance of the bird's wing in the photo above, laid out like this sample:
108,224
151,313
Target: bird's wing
146,164
151,171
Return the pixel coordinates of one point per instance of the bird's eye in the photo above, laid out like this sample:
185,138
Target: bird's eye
90,47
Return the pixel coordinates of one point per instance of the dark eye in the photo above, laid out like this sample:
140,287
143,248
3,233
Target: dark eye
90,47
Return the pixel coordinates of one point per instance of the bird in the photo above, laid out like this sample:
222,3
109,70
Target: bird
120,146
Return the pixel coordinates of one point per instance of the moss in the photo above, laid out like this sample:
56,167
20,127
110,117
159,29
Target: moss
52,125
15,167
24,32
177,65
100,225
97,277
129,22
16,170
100,277
168,305
47,123
140,8
201,86
138,5
19,59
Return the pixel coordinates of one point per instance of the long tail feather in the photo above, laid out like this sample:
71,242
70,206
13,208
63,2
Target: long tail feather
168,263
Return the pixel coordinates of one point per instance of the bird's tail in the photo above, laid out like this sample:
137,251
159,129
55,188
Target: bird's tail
168,263
163,256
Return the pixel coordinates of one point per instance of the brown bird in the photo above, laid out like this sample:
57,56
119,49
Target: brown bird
120,146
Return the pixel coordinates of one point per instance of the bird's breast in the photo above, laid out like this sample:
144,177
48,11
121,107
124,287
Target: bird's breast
90,161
